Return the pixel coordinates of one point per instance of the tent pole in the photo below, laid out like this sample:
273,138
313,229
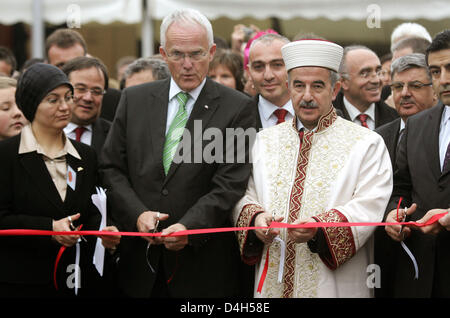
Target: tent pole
37,30
147,30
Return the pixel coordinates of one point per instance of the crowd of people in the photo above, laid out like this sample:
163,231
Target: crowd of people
340,135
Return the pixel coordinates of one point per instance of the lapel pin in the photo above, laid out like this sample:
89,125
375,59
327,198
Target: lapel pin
80,169
206,107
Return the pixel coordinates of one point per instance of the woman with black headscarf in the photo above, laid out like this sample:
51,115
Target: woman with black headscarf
46,183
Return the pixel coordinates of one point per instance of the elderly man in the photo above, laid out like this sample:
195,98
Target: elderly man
422,180
359,100
412,93
317,167
268,74
411,86
148,187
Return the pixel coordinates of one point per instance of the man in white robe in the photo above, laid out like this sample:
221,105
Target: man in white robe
316,168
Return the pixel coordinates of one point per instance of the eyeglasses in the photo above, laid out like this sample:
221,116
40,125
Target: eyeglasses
194,56
53,100
412,86
94,91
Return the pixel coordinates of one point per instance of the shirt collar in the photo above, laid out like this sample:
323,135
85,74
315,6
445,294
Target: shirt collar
71,127
28,143
267,108
445,116
175,89
353,112
402,124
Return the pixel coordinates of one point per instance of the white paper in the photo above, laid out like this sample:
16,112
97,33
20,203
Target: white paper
99,201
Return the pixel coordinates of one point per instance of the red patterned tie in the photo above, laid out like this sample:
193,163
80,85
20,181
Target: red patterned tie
78,132
363,120
281,114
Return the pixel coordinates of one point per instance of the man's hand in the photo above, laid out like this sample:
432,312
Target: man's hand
263,220
302,235
436,227
110,241
397,232
174,243
146,223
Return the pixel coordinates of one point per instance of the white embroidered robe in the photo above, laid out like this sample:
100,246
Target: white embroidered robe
343,174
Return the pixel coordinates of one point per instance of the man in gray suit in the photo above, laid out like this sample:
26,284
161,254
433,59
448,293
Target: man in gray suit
148,188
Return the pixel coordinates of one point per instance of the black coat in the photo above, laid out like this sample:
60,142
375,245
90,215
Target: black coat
197,195
30,200
418,179
383,113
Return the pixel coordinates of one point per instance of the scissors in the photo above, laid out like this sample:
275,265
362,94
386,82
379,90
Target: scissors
73,228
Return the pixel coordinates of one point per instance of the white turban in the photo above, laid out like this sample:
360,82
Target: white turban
308,52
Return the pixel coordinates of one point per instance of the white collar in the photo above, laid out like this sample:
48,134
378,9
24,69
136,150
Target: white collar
71,127
353,112
175,89
445,115
267,108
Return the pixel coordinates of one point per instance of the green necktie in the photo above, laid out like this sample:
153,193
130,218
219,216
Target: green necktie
175,131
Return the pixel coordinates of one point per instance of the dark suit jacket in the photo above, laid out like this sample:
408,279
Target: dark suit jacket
258,115
383,112
100,130
390,133
418,179
110,103
197,195
30,200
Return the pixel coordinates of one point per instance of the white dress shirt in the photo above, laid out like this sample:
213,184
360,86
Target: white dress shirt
86,137
353,112
173,102
266,111
444,134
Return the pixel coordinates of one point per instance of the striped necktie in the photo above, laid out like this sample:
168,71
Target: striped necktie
175,131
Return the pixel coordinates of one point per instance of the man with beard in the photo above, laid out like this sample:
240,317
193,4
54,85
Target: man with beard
359,99
316,167
412,92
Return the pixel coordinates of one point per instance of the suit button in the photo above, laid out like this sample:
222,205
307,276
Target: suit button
165,192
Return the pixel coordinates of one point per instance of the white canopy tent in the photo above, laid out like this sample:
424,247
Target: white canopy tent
79,12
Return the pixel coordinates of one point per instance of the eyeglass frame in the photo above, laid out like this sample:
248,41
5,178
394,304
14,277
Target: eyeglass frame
93,91
409,86
181,56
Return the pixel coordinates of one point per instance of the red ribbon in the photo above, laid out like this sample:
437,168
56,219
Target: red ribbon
25,232
58,258
273,225
264,273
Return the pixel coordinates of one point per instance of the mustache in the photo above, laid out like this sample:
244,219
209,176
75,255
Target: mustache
444,88
308,104
407,101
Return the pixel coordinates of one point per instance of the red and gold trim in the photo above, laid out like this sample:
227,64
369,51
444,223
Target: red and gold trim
246,217
340,240
294,210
